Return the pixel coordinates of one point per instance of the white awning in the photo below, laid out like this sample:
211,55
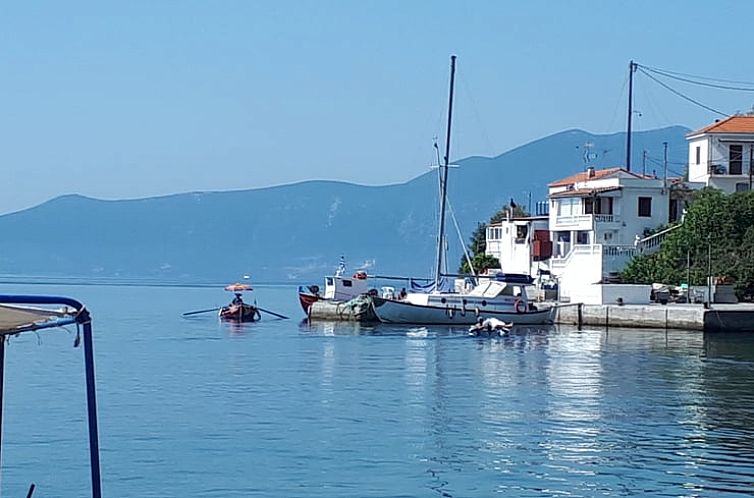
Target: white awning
17,318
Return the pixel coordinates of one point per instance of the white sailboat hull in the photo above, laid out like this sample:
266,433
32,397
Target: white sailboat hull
390,311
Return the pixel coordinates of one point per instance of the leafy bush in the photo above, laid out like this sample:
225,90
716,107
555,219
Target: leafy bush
718,230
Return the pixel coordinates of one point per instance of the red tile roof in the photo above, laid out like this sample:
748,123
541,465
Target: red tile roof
732,124
584,176
584,192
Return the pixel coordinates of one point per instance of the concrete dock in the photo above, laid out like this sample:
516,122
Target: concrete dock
719,317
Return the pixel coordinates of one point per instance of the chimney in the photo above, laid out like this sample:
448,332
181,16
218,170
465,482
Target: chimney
590,172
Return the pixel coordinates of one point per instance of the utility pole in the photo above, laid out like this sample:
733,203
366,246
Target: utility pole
631,69
688,268
709,272
530,213
665,166
751,163
644,163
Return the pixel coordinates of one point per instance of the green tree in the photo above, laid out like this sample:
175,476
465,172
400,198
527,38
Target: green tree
481,263
717,232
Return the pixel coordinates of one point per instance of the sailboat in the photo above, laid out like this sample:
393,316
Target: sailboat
498,296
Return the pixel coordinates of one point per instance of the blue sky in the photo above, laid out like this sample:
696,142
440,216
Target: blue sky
133,99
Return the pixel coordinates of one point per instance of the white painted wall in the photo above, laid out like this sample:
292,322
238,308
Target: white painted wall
583,266
630,293
715,150
729,184
513,253
609,294
698,172
632,223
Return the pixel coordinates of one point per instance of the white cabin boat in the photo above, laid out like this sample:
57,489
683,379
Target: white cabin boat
492,298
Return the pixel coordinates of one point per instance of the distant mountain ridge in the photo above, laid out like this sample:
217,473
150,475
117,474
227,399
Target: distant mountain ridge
297,232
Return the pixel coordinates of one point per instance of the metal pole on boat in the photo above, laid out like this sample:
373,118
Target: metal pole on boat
2,392
91,401
444,176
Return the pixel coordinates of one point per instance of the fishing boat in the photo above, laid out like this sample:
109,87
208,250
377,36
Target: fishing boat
237,310
344,298
497,296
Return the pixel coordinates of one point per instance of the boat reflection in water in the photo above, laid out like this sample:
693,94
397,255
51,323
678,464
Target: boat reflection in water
622,411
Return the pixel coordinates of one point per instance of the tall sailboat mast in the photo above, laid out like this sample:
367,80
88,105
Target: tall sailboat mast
444,178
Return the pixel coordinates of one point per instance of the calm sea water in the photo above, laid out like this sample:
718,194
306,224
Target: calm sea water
196,408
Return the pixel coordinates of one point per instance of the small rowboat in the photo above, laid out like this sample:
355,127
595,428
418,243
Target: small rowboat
240,313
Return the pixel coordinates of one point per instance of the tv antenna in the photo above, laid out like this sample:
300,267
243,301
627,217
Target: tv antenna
588,155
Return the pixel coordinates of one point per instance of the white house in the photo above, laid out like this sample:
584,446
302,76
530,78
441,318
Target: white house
520,244
598,220
721,154
611,207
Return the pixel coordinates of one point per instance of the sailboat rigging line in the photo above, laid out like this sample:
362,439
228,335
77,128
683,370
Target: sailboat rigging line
683,96
465,87
444,182
438,256
460,238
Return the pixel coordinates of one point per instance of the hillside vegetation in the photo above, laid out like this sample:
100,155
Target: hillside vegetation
716,237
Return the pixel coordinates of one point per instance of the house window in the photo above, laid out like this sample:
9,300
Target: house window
698,155
742,187
603,205
645,207
735,159
588,205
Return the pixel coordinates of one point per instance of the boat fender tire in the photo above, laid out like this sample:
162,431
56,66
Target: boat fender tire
520,306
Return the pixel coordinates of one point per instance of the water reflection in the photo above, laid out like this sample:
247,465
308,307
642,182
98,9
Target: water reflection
545,411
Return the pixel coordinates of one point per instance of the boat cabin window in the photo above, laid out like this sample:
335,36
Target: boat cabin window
512,290
521,232
489,289
347,283
328,281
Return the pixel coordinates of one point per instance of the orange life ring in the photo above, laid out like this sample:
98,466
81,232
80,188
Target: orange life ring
360,275
520,306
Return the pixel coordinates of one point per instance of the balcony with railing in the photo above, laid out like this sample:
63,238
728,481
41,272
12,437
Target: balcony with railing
584,221
731,168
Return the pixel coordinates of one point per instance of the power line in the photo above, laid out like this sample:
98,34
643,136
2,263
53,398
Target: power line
617,104
700,83
676,73
683,96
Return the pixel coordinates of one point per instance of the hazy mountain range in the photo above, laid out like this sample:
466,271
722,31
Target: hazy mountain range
298,232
